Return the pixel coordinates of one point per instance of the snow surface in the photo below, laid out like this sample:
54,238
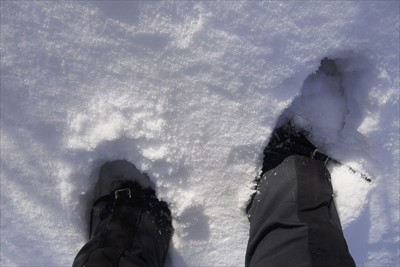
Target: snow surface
190,92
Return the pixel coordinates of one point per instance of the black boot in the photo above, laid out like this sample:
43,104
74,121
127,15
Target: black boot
292,214
287,140
129,225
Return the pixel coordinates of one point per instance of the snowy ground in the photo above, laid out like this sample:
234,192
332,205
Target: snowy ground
189,92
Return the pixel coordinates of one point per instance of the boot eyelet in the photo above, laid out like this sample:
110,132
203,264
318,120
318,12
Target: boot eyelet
124,191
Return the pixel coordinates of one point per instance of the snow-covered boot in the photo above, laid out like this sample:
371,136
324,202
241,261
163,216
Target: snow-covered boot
129,225
288,140
292,214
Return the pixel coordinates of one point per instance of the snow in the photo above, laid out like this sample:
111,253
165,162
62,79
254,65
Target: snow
190,92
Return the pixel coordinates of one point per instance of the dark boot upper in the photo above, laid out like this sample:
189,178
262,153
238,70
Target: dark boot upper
127,220
287,140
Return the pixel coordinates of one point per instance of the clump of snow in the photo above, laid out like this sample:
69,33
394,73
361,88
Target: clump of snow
350,191
189,92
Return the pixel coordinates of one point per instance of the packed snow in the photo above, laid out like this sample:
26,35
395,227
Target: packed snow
190,92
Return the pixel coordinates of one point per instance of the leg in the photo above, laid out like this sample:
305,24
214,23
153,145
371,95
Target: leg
293,218
130,227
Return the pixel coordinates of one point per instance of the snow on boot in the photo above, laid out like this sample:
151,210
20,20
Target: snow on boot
292,213
129,225
289,139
